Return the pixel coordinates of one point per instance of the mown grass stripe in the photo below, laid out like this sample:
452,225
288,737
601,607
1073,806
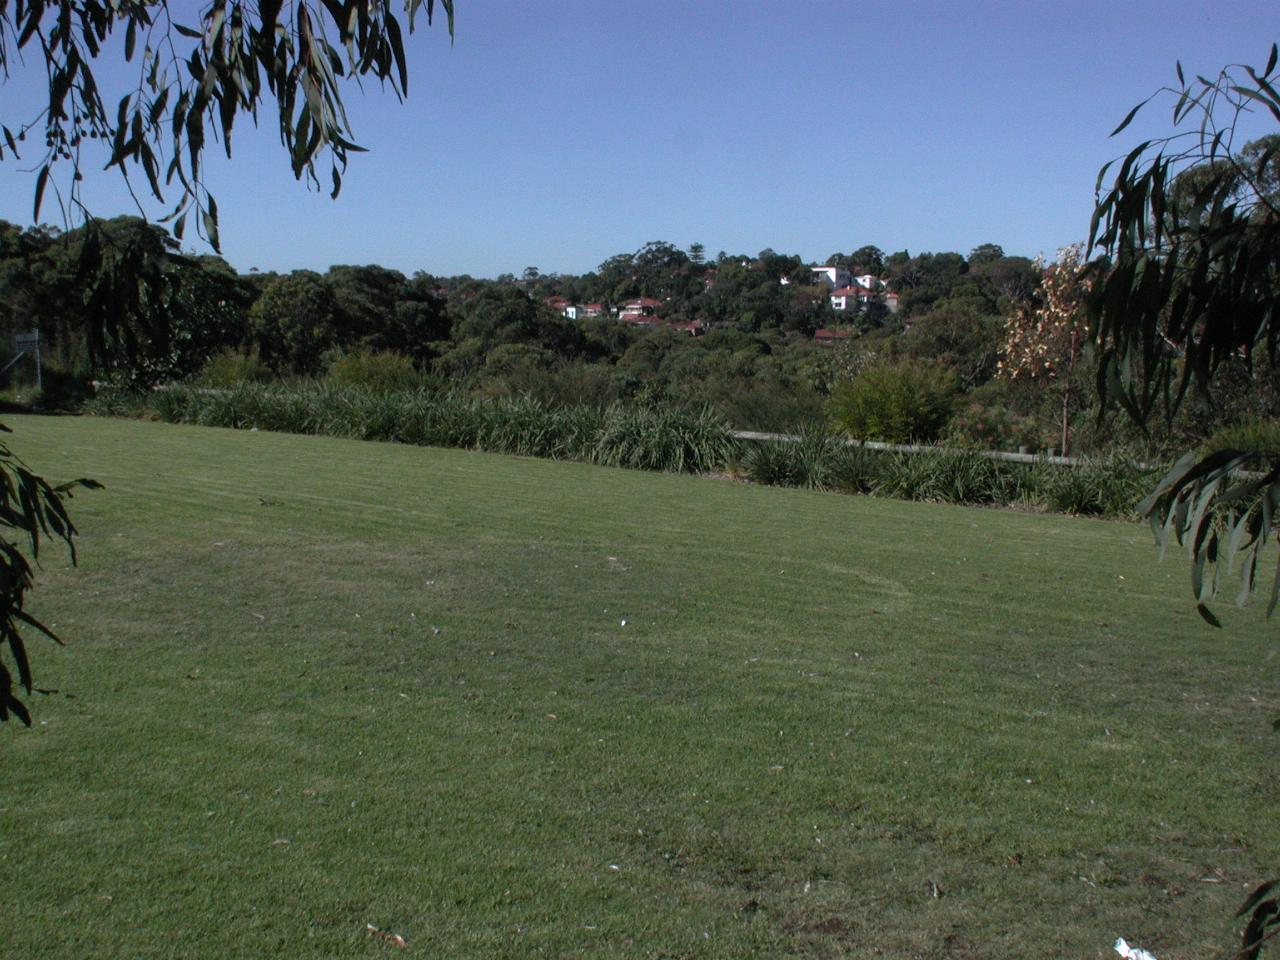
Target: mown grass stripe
883,677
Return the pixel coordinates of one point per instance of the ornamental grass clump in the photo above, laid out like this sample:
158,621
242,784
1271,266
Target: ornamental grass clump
381,371
519,425
230,368
645,438
673,441
811,461
946,476
1105,488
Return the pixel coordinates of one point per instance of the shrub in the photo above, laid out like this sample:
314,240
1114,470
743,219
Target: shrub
380,371
112,400
230,368
1254,433
992,426
897,401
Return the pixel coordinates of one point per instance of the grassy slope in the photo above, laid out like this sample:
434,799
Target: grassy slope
410,665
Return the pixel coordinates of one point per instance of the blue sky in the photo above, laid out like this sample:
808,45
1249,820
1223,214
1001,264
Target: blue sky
556,134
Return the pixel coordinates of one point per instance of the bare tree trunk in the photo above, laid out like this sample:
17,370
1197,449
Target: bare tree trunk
1066,404
1066,391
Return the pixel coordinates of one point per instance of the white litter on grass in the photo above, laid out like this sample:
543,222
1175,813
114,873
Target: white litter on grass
395,938
624,621
1132,953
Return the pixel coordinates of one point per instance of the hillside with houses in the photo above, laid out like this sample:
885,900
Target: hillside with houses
769,341
848,295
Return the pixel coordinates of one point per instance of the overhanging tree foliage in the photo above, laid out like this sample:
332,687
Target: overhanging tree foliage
1187,283
197,72
30,509
199,68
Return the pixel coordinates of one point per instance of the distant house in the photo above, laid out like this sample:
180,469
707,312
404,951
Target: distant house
572,311
694,328
829,336
557,303
833,277
593,310
642,310
863,290
848,298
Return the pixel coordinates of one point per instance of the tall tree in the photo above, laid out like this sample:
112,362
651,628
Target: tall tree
295,321
1046,335
985,253
867,259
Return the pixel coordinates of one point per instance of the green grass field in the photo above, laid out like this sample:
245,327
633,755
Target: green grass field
512,708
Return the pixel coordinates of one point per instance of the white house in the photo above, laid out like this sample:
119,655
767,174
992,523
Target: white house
640,310
862,290
833,277
848,297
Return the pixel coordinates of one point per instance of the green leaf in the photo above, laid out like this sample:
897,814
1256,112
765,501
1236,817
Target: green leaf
210,218
42,178
397,51
1208,616
1259,98
157,107
1129,117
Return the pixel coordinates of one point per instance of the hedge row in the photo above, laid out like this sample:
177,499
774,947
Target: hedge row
623,436
645,438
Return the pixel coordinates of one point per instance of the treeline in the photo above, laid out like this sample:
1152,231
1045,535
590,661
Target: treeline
925,372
